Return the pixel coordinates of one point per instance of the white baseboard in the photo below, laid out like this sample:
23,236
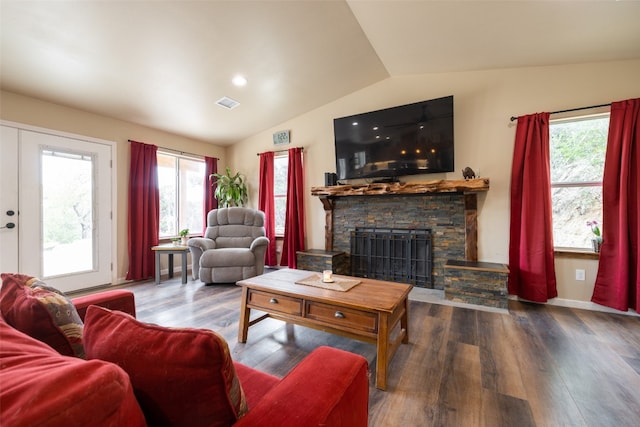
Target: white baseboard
585,305
437,297
163,272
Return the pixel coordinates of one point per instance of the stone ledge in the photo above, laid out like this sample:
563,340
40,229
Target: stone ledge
477,265
480,283
319,260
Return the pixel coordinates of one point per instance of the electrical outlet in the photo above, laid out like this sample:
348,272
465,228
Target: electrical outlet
580,274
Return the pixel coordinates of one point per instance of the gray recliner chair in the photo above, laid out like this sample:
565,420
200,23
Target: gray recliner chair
233,246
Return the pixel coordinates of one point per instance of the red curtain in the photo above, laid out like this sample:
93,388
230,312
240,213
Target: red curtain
144,210
532,273
210,202
294,220
266,205
617,282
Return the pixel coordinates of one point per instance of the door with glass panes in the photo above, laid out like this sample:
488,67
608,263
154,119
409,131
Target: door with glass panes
55,207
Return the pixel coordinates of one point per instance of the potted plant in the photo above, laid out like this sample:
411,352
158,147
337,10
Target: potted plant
596,240
231,190
184,236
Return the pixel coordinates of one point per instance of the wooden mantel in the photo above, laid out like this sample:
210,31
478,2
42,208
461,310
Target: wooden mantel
380,189
468,187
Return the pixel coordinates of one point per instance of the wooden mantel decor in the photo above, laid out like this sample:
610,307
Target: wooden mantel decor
468,187
380,189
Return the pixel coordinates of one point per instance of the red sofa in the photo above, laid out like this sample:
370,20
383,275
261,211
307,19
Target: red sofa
162,376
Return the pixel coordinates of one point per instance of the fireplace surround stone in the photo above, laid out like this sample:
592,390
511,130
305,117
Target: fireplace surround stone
447,207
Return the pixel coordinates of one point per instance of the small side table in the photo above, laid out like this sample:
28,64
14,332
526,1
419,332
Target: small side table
170,250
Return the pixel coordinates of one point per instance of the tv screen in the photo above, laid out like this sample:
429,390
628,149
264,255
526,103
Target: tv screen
406,140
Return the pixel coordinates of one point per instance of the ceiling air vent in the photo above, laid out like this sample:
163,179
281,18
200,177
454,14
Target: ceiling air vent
227,103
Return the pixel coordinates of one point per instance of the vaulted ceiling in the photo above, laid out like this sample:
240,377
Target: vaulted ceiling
164,64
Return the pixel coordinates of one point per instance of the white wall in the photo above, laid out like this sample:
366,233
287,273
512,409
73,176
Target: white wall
30,111
483,103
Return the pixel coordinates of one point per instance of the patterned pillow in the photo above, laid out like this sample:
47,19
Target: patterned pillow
41,312
180,376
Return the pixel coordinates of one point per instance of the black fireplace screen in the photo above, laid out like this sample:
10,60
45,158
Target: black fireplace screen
396,255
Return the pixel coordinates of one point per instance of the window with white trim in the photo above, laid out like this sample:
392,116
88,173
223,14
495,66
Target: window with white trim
280,169
180,179
577,151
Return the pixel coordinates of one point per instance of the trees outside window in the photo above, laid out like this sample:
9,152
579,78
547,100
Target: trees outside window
180,180
577,153
67,212
280,169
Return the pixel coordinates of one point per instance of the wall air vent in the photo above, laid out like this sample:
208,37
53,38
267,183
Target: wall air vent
227,103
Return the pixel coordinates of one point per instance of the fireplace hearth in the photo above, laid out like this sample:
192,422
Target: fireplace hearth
396,255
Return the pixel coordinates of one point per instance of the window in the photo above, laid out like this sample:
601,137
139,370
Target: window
180,180
577,152
280,169
67,212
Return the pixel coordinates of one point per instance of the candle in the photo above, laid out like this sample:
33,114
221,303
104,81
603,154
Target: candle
326,276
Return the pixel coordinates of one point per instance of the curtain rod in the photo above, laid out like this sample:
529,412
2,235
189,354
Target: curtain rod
184,153
571,109
281,151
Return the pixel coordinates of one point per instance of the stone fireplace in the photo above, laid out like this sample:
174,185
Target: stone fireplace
448,208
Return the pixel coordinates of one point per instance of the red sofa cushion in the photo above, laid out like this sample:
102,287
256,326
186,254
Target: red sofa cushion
329,387
41,312
255,384
39,387
180,376
116,299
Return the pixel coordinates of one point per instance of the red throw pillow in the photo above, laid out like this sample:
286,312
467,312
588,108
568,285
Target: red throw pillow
39,387
41,312
180,376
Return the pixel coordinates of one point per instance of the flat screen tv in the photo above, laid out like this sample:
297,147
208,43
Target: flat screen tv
405,140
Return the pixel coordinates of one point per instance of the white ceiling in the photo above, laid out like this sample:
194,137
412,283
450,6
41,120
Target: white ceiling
164,64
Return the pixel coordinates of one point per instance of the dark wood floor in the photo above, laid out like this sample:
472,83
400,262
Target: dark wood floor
536,366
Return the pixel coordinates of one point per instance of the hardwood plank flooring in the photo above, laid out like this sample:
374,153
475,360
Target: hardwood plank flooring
535,366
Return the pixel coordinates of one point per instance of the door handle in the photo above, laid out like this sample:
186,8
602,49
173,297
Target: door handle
9,225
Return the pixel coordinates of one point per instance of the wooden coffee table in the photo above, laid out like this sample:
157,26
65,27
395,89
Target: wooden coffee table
368,312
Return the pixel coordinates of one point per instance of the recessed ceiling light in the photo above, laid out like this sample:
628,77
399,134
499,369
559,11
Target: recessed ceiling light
239,80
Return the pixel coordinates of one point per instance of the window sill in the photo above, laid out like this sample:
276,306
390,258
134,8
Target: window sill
575,253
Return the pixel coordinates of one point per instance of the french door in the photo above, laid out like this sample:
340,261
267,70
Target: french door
55,208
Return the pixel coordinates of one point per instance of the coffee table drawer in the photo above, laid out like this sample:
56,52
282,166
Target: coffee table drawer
273,302
338,316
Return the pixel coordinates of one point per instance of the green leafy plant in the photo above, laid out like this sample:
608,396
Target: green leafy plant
595,229
231,190
184,232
